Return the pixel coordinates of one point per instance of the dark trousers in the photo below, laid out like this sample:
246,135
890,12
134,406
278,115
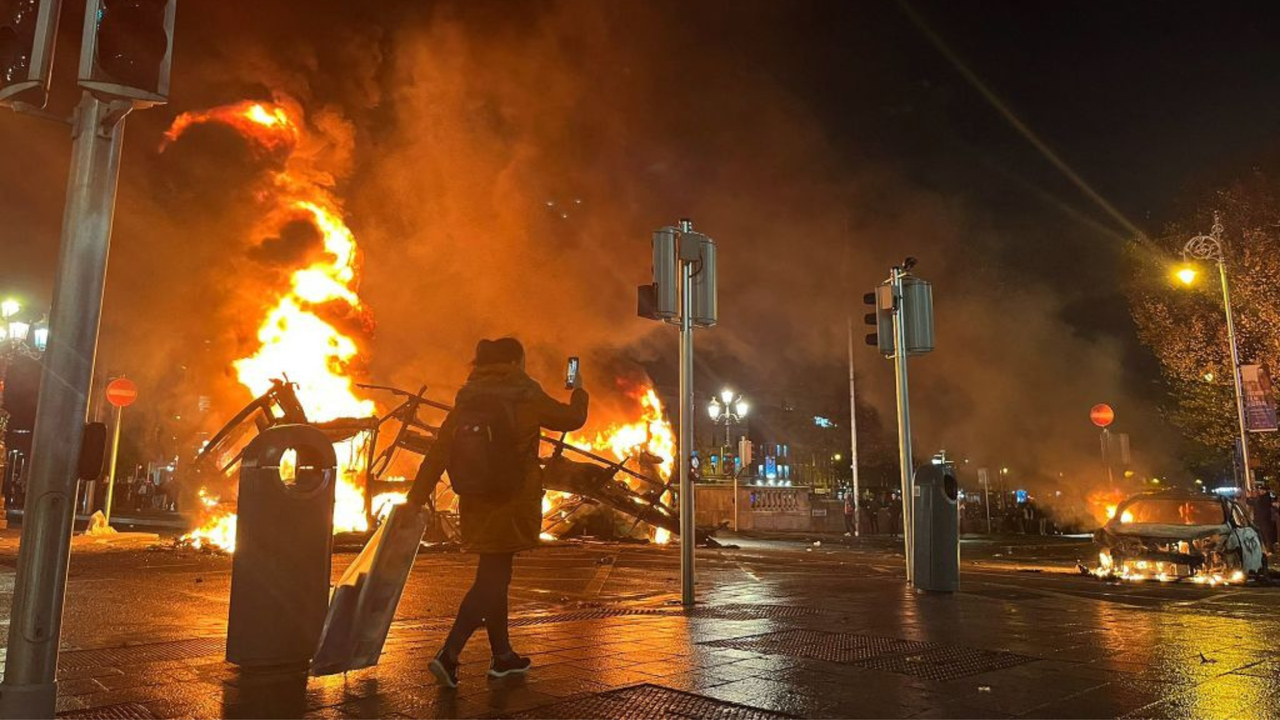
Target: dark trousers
485,605
848,523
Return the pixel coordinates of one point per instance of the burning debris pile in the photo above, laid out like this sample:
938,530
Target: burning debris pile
310,347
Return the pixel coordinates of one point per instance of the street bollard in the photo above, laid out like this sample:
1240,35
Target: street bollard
284,539
936,518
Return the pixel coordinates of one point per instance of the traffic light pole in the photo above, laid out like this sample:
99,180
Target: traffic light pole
29,689
111,467
853,438
687,527
904,420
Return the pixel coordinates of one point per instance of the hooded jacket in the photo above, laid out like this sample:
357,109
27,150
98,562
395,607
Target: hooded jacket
513,522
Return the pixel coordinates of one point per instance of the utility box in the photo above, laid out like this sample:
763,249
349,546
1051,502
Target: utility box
936,540
284,541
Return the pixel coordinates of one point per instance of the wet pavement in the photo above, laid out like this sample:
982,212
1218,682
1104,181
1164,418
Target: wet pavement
783,628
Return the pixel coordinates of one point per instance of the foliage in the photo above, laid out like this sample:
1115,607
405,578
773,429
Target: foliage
1186,328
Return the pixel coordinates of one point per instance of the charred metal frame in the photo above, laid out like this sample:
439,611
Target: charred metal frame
593,482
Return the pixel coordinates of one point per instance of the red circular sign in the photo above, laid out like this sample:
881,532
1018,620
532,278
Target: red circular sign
1102,415
121,392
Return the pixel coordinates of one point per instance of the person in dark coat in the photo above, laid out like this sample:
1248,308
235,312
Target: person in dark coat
849,510
895,515
496,528
1263,502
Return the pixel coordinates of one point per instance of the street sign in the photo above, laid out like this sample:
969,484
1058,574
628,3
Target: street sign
1102,415
121,392
1259,402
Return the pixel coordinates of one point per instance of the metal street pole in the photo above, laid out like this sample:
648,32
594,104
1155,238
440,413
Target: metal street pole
735,502
853,437
30,685
1209,247
1235,377
904,419
687,530
111,472
986,500
1106,456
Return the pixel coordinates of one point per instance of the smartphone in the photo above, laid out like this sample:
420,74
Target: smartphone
571,374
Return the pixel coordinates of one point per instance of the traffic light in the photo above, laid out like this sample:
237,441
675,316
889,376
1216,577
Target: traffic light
882,319
27,30
127,50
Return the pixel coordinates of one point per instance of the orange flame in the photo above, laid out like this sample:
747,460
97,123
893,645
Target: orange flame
267,124
297,337
651,434
1102,504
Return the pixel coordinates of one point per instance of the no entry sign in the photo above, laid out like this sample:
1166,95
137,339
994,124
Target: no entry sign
121,392
1102,415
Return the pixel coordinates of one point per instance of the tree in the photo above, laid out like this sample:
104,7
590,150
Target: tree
1185,326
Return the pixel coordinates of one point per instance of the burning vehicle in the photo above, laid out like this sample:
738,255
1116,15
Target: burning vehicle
1172,536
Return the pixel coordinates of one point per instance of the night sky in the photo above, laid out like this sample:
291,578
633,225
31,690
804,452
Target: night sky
1149,103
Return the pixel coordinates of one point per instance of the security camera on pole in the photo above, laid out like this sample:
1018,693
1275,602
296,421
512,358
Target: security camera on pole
683,293
903,319
125,57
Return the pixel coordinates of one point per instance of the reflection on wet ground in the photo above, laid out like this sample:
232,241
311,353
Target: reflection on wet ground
784,629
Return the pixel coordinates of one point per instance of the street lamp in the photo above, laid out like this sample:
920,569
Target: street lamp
730,409
1209,247
9,308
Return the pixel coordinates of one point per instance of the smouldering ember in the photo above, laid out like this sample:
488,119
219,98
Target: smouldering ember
298,337
1161,571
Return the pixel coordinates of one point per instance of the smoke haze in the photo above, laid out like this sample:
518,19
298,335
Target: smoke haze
502,166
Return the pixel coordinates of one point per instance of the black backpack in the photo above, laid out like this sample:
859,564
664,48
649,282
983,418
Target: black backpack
484,459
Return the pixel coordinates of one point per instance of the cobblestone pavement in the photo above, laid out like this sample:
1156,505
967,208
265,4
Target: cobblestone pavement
782,629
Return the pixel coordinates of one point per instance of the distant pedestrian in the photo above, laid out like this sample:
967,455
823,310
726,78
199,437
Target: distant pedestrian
143,495
873,514
489,444
1263,506
849,511
895,514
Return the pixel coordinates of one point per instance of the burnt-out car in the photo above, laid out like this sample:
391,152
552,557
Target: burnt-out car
1178,535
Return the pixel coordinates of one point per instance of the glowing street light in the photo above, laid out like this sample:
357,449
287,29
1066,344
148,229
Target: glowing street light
730,408
1209,247
9,308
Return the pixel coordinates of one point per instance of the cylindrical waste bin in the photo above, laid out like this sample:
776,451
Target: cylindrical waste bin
284,538
936,517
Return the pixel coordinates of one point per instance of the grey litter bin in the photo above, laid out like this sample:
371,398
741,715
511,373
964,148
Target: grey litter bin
936,553
284,538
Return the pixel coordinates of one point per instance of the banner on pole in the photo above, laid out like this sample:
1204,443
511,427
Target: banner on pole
1259,400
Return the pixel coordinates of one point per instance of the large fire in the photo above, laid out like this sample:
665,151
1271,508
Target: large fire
299,337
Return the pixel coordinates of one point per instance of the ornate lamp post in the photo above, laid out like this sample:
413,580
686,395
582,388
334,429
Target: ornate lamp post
730,409
1209,247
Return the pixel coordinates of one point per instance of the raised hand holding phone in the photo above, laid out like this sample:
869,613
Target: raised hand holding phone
572,378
